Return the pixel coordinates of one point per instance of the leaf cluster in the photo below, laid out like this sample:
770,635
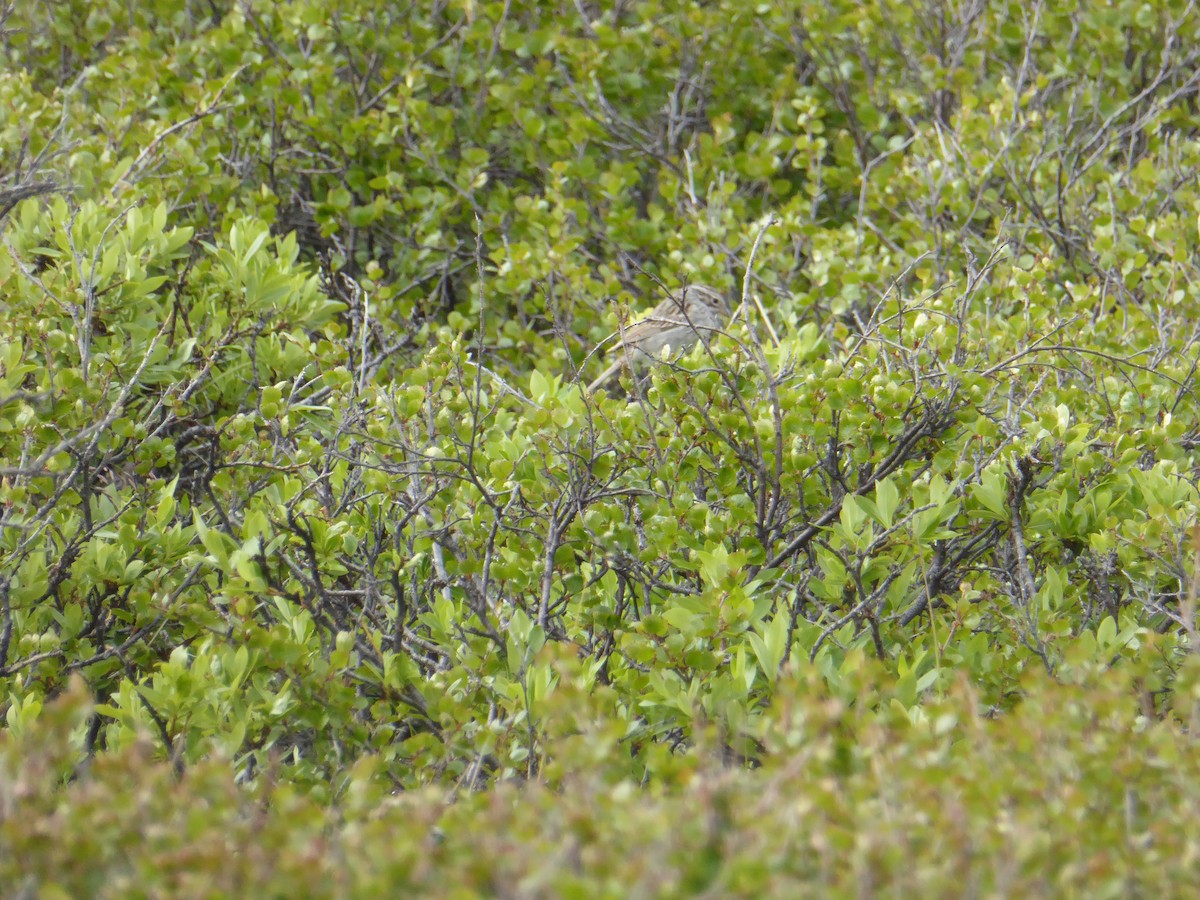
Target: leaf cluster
297,473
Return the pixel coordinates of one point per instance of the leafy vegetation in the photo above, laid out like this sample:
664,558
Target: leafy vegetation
346,582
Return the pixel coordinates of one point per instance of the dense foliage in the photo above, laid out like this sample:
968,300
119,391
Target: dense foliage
893,584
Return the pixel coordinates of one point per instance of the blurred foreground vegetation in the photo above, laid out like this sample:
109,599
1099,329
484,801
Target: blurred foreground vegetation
319,572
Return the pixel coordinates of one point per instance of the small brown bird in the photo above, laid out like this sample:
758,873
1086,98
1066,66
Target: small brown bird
678,322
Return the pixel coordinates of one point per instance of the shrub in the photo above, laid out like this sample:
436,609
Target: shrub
299,478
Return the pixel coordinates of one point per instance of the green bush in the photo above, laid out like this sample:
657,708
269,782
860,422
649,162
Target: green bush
300,484
1071,792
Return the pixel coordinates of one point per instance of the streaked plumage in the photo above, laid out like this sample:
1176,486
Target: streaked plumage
678,322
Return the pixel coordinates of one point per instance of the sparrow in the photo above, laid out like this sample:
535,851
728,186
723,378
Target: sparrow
697,311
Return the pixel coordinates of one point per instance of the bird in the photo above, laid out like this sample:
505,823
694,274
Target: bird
695,312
